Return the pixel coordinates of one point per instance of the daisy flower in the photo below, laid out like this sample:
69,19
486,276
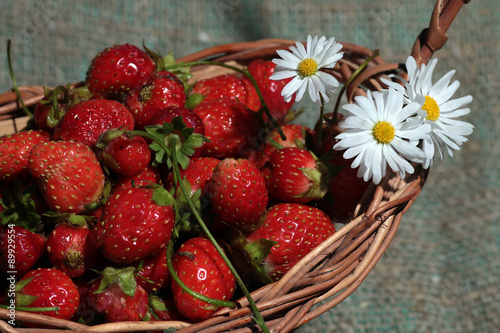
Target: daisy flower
304,65
381,133
447,133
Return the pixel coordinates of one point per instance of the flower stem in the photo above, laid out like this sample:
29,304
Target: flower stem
14,83
201,297
245,72
257,315
320,129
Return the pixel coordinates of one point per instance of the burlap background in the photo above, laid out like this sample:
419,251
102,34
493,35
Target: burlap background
442,272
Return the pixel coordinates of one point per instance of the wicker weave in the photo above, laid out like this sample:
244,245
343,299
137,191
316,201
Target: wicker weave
333,270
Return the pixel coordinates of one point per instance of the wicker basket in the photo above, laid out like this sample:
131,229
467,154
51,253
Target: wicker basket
333,270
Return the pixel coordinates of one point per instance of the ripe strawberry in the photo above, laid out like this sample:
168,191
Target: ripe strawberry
152,273
135,223
147,176
261,70
238,193
14,153
87,120
198,173
29,248
230,127
70,250
296,136
295,175
46,287
54,104
201,268
296,229
117,296
69,175
162,90
345,189
190,118
126,155
117,70
228,86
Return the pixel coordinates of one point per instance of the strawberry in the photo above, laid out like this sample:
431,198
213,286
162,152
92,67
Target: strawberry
198,173
296,136
135,223
294,230
70,250
126,155
152,273
68,174
261,70
46,287
28,248
148,175
15,151
345,189
228,86
162,90
190,118
296,175
238,193
201,268
230,127
87,120
117,296
117,70
163,309
54,104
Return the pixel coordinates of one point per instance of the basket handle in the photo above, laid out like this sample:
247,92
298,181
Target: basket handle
434,37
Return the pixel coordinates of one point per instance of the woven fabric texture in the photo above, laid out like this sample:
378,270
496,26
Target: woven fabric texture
442,273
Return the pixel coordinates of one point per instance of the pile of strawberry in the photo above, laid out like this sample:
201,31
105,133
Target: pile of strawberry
112,198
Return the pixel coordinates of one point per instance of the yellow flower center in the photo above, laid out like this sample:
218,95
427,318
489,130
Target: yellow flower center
383,132
307,67
432,108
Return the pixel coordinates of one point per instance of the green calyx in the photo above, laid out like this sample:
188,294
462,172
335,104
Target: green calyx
123,277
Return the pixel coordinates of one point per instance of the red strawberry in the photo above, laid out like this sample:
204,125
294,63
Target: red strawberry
228,86
45,287
126,155
70,250
87,120
162,90
189,117
135,223
15,151
296,175
238,193
69,175
345,189
296,136
117,70
153,274
149,175
296,229
198,173
54,104
261,70
229,125
117,296
20,249
201,268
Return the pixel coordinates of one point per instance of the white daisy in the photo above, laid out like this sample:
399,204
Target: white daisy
380,132
447,133
304,65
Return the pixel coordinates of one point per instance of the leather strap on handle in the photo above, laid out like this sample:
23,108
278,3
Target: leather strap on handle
434,37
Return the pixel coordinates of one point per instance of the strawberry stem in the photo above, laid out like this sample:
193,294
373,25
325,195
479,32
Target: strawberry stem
14,83
257,315
201,297
275,124
30,309
348,82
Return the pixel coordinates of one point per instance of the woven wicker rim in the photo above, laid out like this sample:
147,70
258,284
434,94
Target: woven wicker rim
334,269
